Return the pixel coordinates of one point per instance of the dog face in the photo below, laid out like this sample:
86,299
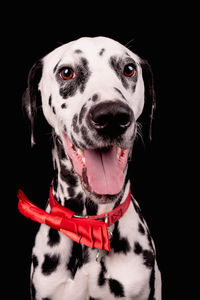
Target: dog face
92,92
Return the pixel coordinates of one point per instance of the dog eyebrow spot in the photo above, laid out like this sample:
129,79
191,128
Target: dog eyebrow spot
102,51
116,65
69,88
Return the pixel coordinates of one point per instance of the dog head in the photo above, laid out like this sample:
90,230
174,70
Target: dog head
93,91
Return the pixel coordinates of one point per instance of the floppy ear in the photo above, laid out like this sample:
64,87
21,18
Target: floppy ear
31,99
150,98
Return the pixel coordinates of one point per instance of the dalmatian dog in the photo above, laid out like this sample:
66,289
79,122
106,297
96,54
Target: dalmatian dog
92,91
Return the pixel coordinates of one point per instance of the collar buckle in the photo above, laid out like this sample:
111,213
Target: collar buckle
101,253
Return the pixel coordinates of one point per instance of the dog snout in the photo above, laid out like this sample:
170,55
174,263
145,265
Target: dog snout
110,118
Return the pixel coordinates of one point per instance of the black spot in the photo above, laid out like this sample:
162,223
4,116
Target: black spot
74,141
81,145
148,257
55,178
54,110
150,239
141,228
46,298
102,51
137,248
119,244
75,260
54,237
75,203
101,278
78,51
50,100
85,255
71,191
116,288
138,210
50,263
117,66
60,148
33,291
85,136
34,261
74,123
84,74
91,207
61,187
67,176
152,285
69,88
133,87
64,105
95,97
126,53
92,298
82,113
65,128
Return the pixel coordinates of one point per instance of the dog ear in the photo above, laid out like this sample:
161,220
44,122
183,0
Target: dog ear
150,98
31,99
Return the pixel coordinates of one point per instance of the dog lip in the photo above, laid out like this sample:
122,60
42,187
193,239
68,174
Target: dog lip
85,160
81,152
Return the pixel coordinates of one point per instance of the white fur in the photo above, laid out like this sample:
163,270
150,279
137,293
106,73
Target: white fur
128,268
102,80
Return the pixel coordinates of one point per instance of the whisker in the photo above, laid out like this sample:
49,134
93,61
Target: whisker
139,132
127,45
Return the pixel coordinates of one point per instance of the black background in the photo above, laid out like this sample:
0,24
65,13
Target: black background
156,33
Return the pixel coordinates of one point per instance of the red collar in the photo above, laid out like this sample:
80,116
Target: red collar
91,231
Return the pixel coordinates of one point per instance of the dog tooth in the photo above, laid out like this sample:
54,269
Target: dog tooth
80,152
83,160
118,152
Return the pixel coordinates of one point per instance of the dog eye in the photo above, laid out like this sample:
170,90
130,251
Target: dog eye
66,73
129,70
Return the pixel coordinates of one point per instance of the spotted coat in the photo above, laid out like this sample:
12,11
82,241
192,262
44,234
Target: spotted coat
73,84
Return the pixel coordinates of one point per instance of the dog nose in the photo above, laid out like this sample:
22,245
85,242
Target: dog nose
110,118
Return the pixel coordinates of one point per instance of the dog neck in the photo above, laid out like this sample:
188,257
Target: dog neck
68,189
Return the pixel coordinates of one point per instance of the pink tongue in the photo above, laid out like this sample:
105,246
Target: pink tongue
103,171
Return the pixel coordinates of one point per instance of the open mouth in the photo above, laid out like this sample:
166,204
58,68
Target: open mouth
101,169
